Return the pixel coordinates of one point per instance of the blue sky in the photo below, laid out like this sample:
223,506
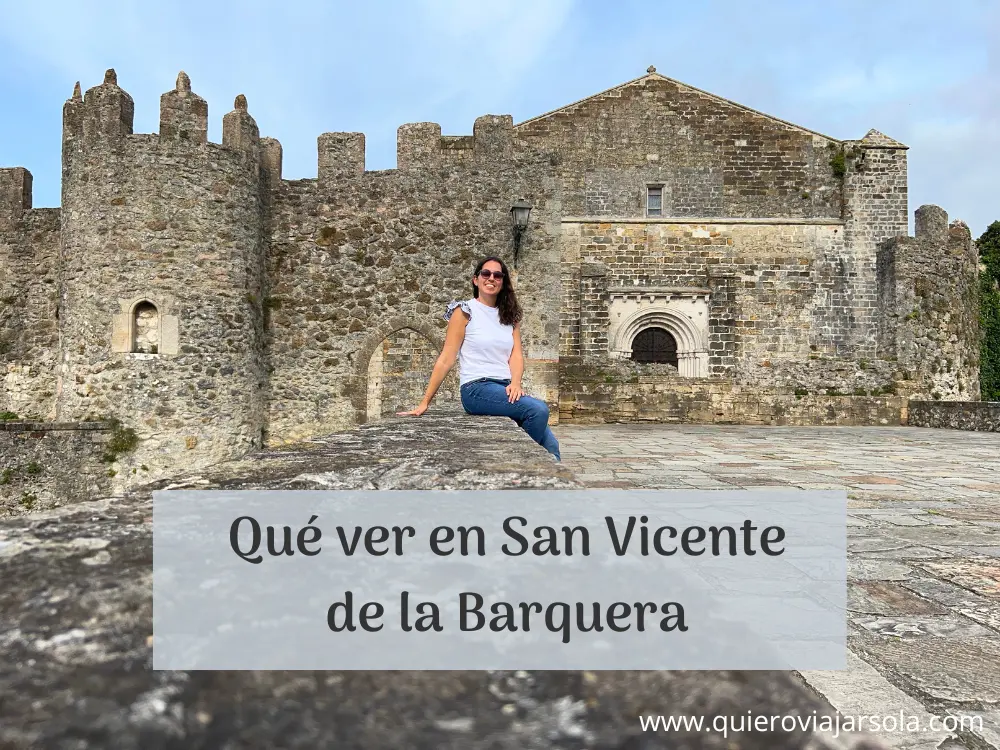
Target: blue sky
925,75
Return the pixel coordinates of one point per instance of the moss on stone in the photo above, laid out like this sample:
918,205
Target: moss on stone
838,163
123,440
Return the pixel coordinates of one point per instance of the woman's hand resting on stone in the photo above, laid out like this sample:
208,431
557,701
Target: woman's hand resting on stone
414,413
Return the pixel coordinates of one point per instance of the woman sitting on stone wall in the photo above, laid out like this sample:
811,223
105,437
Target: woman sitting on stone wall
486,340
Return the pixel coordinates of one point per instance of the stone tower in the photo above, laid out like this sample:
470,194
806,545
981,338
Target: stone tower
160,310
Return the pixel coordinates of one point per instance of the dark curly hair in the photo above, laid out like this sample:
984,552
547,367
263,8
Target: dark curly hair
510,310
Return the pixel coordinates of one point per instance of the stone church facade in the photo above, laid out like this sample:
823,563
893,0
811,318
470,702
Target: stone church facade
687,259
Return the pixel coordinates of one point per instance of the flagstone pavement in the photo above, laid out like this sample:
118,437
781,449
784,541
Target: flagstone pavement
923,542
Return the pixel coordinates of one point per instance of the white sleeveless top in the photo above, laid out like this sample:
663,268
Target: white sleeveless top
485,353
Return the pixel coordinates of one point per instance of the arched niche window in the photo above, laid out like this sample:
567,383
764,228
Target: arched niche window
655,345
145,328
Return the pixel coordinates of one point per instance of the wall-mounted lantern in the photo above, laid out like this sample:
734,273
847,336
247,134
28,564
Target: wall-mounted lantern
519,213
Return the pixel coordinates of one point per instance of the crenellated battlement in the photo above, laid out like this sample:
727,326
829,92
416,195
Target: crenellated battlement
341,155
493,136
105,112
239,129
102,119
420,145
417,145
930,224
270,159
184,114
15,196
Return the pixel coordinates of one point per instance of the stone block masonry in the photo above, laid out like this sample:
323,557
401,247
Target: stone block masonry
981,416
711,157
398,374
46,465
29,299
629,392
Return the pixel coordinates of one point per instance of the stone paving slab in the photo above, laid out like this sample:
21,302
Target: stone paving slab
988,616
945,593
888,598
979,575
923,549
944,672
861,691
920,626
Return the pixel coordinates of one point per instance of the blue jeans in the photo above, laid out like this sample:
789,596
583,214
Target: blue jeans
489,398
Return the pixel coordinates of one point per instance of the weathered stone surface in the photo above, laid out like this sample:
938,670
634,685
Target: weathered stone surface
47,464
916,626
75,618
949,536
956,415
929,322
964,671
861,691
988,616
740,163
981,576
877,548
990,731
912,665
945,593
883,598
29,330
877,570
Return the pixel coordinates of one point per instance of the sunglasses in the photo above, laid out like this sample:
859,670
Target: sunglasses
486,274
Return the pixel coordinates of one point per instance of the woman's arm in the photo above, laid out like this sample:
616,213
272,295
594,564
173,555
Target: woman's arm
445,361
516,363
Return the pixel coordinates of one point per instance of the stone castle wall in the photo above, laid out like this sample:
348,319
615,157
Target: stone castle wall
187,289
631,392
29,301
43,465
358,256
397,375
780,278
875,211
929,307
174,221
981,416
774,342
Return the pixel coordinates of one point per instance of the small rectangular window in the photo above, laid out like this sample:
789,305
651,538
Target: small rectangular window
654,201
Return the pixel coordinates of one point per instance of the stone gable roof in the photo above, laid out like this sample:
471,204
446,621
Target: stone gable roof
651,74
875,139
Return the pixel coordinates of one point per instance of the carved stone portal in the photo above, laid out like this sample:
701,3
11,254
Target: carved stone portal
680,310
